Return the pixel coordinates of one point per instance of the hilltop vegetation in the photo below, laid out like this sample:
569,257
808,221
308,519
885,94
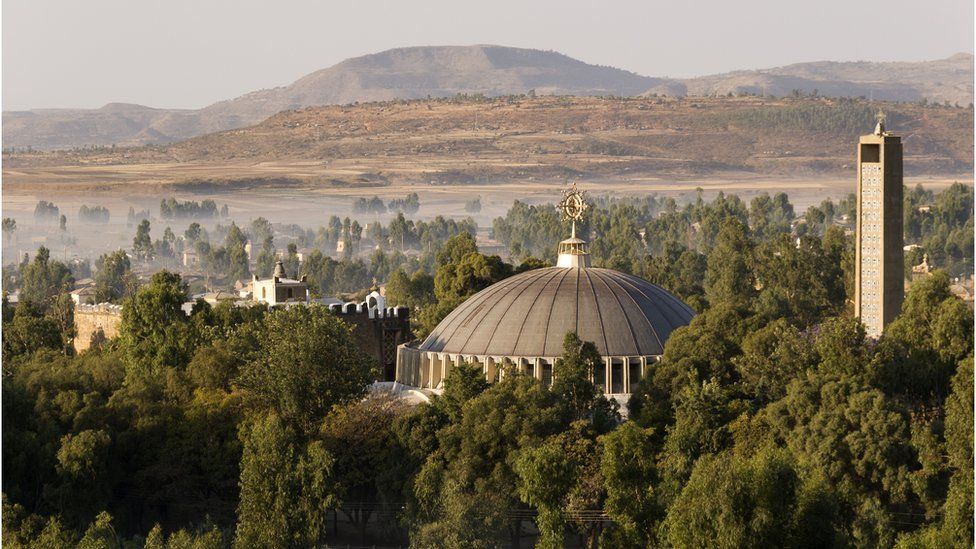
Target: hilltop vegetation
478,139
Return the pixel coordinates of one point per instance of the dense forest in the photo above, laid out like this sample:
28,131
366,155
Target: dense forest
771,420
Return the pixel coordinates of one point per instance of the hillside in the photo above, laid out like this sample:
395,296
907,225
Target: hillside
445,71
949,79
511,139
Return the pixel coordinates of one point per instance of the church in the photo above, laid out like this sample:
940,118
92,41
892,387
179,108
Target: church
518,324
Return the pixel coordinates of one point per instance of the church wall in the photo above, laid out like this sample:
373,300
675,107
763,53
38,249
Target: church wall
427,370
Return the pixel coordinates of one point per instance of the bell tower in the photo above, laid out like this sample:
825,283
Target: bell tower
880,259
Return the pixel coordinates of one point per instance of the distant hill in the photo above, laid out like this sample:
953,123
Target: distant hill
444,71
476,140
949,79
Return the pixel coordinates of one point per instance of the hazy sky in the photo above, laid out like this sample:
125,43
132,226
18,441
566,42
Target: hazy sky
190,53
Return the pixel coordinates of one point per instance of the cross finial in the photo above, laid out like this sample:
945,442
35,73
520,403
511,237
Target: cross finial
573,206
880,128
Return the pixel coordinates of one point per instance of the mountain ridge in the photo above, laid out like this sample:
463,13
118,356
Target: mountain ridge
443,71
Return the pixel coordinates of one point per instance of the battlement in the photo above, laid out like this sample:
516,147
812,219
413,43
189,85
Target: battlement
106,308
377,329
352,308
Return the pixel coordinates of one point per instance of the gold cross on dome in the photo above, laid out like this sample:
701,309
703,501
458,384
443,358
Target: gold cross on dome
573,206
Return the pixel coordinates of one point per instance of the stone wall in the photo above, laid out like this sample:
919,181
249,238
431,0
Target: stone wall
378,331
102,318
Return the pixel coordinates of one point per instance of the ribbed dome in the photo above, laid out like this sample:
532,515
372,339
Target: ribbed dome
528,315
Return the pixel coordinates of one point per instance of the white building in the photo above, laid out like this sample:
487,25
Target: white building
279,288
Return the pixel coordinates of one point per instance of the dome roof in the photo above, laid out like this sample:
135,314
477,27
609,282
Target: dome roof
528,315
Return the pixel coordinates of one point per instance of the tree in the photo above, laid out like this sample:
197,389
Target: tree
193,233
630,472
43,279
142,243
465,489
550,474
154,331
115,279
572,376
761,501
925,342
286,486
83,464
265,262
238,262
473,205
772,357
958,510
261,230
308,364
729,278
857,440
29,331
799,280
369,469
9,227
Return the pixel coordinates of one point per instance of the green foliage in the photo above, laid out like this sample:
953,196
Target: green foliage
840,117
628,465
802,281
679,271
729,278
142,245
43,279
307,364
759,501
465,488
552,478
154,331
942,225
171,208
925,342
286,487
857,440
28,332
114,280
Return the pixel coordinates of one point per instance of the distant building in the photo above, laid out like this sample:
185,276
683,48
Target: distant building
83,296
880,258
219,296
279,289
963,289
190,258
923,269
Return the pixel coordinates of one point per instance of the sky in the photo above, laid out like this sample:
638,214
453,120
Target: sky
191,53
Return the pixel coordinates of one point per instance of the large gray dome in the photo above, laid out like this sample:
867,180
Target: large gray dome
529,314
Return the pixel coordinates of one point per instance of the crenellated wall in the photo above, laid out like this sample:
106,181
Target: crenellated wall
378,331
